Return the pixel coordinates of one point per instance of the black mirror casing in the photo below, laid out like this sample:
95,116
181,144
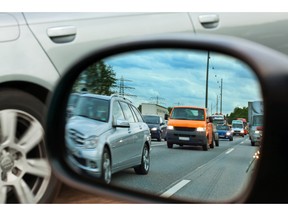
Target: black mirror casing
271,68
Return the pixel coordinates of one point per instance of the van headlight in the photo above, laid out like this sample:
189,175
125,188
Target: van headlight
170,127
201,129
91,142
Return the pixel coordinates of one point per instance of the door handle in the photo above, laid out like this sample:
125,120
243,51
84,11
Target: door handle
62,34
209,20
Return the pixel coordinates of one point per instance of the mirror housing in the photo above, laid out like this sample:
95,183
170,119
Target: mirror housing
269,185
121,123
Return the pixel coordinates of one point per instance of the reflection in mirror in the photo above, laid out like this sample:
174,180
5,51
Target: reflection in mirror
172,123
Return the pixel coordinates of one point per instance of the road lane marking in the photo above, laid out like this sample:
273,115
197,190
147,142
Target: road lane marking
229,151
175,188
160,144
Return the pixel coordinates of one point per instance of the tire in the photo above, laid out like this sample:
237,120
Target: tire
252,143
106,172
144,167
169,145
231,139
22,151
217,142
206,146
212,143
159,139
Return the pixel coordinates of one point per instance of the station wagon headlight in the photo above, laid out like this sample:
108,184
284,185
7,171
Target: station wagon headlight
201,129
170,127
91,142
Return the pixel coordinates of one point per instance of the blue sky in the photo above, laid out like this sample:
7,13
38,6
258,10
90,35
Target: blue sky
178,77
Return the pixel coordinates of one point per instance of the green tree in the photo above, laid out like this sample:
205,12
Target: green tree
99,78
238,113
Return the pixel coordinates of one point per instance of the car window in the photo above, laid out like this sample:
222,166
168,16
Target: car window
222,127
138,115
93,108
127,112
117,111
152,119
188,114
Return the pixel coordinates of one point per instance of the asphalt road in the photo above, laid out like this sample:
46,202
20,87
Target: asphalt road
214,175
69,195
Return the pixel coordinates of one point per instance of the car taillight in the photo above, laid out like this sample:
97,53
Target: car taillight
259,128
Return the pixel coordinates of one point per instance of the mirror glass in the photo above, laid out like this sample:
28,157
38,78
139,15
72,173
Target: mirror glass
168,122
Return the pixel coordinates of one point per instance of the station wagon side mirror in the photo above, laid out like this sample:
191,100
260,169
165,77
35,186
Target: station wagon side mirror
121,123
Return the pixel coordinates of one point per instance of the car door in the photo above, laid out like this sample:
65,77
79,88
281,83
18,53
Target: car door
120,138
134,147
270,29
67,36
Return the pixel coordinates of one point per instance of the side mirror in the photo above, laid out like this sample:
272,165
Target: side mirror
166,116
121,123
177,67
210,119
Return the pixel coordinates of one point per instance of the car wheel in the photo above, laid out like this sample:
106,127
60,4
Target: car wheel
159,139
206,145
26,176
212,143
169,145
231,139
252,143
144,167
106,173
217,142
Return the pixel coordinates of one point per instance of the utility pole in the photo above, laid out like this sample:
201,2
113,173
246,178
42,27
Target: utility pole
221,88
122,87
207,77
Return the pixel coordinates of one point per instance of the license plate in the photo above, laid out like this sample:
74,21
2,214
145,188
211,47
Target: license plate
184,138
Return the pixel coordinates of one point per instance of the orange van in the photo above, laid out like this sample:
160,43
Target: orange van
188,125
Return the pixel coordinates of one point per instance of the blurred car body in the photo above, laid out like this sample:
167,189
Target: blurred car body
107,134
157,125
238,128
224,132
187,125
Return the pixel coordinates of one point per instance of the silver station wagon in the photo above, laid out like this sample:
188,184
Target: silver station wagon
107,134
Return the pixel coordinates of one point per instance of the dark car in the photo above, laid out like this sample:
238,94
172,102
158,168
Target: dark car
224,132
157,125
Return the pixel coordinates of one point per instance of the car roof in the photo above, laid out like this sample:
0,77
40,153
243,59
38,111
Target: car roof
189,107
106,97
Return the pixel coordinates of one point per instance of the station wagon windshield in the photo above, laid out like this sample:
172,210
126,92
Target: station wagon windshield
93,108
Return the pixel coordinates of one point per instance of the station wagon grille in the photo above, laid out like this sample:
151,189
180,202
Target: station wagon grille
77,137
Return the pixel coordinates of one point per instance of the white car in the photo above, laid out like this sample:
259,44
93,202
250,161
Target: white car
37,48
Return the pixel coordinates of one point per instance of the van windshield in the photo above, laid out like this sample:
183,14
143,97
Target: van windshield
237,126
188,114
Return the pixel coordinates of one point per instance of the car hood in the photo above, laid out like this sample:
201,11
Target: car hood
87,127
222,131
152,125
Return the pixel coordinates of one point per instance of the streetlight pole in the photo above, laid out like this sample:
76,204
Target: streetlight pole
221,95
207,76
